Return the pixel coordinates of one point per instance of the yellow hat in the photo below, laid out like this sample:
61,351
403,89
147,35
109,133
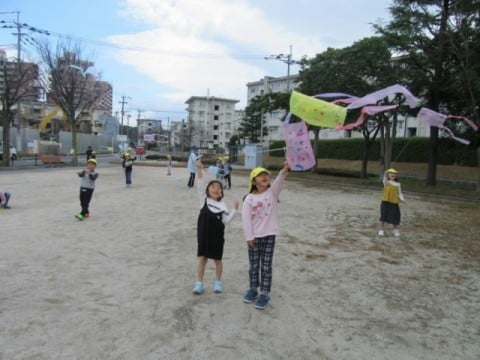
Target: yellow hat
93,161
392,170
254,173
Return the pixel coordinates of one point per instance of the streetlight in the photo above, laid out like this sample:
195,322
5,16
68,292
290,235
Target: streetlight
287,59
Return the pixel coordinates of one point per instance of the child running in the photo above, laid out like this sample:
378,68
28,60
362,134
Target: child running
87,185
211,229
260,225
391,198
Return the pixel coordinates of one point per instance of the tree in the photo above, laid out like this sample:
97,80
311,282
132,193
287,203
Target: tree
253,124
68,84
18,84
437,44
359,69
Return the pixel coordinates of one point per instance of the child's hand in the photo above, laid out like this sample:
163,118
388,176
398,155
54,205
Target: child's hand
235,204
286,167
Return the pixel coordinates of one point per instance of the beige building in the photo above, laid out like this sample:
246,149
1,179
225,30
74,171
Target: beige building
211,122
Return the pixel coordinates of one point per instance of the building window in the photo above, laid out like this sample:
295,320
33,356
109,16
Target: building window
216,107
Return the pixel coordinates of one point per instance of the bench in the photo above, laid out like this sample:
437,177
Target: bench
52,159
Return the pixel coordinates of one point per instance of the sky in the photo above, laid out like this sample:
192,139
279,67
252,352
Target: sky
158,53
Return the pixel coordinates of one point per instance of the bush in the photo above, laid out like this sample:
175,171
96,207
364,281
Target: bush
413,149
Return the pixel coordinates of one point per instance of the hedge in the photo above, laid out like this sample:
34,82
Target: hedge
413,149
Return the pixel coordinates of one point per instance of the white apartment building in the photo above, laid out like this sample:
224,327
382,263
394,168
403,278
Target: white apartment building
211,121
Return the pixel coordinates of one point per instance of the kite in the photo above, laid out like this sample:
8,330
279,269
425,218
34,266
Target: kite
432,118
299,152
367,110
316,112
373,98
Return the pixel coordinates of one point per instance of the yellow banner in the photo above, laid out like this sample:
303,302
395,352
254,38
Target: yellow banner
316,112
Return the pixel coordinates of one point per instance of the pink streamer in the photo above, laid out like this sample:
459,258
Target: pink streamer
433,118
373,98
367,110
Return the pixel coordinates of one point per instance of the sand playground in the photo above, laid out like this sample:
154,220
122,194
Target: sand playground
118,285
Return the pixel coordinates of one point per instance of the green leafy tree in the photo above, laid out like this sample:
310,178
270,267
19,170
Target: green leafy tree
359,69
253,123
437,43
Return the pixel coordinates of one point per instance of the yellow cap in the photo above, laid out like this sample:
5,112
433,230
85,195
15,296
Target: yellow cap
254,173
392,170
93,161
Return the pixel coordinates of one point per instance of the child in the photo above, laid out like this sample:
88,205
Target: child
220,170
260,225
127,164
227,168
192,165
87,185
391,197
4,199
169,164
211,229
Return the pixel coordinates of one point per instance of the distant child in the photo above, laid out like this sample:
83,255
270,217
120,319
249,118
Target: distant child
220,170
169,164
391,198
87,186
211,222
4,199
260,226
127,164
192,165
227,176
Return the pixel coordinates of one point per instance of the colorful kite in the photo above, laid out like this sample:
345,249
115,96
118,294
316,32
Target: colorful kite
367,110
373,98
316,112
433,118
299,152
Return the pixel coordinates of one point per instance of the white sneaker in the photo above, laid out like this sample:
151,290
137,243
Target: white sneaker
396,232
381,233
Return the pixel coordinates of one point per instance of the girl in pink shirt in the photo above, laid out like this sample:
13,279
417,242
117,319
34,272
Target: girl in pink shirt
260,226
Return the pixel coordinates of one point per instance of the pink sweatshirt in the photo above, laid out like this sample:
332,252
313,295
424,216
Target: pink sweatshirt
259,211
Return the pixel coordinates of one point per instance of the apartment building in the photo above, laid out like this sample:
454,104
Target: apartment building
211,121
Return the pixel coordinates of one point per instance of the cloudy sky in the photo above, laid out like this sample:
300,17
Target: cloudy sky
158,53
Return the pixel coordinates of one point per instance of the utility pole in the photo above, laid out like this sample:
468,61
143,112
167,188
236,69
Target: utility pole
123,102
287,59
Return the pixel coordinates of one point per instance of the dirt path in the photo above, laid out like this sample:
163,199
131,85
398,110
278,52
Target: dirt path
119,284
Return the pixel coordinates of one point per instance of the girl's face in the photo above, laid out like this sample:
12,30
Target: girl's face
91,166
215,191
391,176
262,181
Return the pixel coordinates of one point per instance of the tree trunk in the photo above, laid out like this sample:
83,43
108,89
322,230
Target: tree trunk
74,144
432,157
478,169
316,132
366,151
6,139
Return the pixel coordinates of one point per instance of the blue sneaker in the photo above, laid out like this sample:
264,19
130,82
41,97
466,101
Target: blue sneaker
250,296
218,286
262,301
198,288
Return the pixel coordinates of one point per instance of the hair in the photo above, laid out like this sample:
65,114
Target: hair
212,182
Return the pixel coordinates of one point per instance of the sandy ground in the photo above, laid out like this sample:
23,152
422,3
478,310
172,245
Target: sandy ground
118,285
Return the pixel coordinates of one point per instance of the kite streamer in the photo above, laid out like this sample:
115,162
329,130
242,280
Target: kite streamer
316,112
373,98
299,152
432,118
367,110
